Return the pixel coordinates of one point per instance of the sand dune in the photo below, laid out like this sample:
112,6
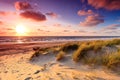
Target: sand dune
45,67
18,67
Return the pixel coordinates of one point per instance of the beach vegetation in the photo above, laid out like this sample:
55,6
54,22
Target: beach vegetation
69,47
81,52
60,55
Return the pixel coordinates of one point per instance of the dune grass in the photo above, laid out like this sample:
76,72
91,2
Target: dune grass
60,55
69,47
111,60
93,46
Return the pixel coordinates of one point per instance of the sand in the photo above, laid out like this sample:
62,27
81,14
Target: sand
17,66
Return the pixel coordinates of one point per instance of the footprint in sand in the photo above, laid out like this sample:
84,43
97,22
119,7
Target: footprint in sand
28,78
37,72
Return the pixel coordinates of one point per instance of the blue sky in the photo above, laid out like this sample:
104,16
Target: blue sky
60,17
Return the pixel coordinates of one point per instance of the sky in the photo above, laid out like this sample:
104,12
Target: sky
59,17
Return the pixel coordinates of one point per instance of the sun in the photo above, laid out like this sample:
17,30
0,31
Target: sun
21,30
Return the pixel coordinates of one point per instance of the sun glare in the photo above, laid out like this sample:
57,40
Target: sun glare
21,30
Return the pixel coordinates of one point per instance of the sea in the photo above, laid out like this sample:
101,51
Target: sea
35,39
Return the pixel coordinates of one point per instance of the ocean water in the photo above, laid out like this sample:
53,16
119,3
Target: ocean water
33,39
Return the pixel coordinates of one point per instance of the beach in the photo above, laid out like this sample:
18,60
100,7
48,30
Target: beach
59,39
15,64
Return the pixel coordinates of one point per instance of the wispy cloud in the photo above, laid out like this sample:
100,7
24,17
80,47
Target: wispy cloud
106,4
57,25
3,13
83,12
40,30
9,29
52,14
111,27
80,31
65,30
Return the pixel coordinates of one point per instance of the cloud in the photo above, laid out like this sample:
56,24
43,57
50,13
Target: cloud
3,13
52,14
80,31
83,12
22,5
92,20
37,16
57,25
47,31
1,22
65,30
40,30
9,29
109,32
28,12
106,4
111,27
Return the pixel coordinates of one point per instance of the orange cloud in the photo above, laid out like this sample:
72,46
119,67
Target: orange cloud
1,22
107,4
37,16
65,30
22,5
80,31
3,13
9,29
83,12
91,21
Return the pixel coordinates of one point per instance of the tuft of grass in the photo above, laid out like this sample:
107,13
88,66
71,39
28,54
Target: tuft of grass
38,51
60,56
69,47
81,52
36,54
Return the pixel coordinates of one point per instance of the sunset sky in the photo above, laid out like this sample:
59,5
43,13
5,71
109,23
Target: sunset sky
60,17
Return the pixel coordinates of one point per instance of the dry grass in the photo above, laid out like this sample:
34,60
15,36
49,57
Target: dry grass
60,56
93,46
69,47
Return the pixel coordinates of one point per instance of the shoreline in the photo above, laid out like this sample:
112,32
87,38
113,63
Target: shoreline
8,49
19,41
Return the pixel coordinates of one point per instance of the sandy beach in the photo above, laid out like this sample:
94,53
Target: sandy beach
59,39
15,65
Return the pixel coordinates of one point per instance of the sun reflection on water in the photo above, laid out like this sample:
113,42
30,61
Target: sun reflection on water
19,41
